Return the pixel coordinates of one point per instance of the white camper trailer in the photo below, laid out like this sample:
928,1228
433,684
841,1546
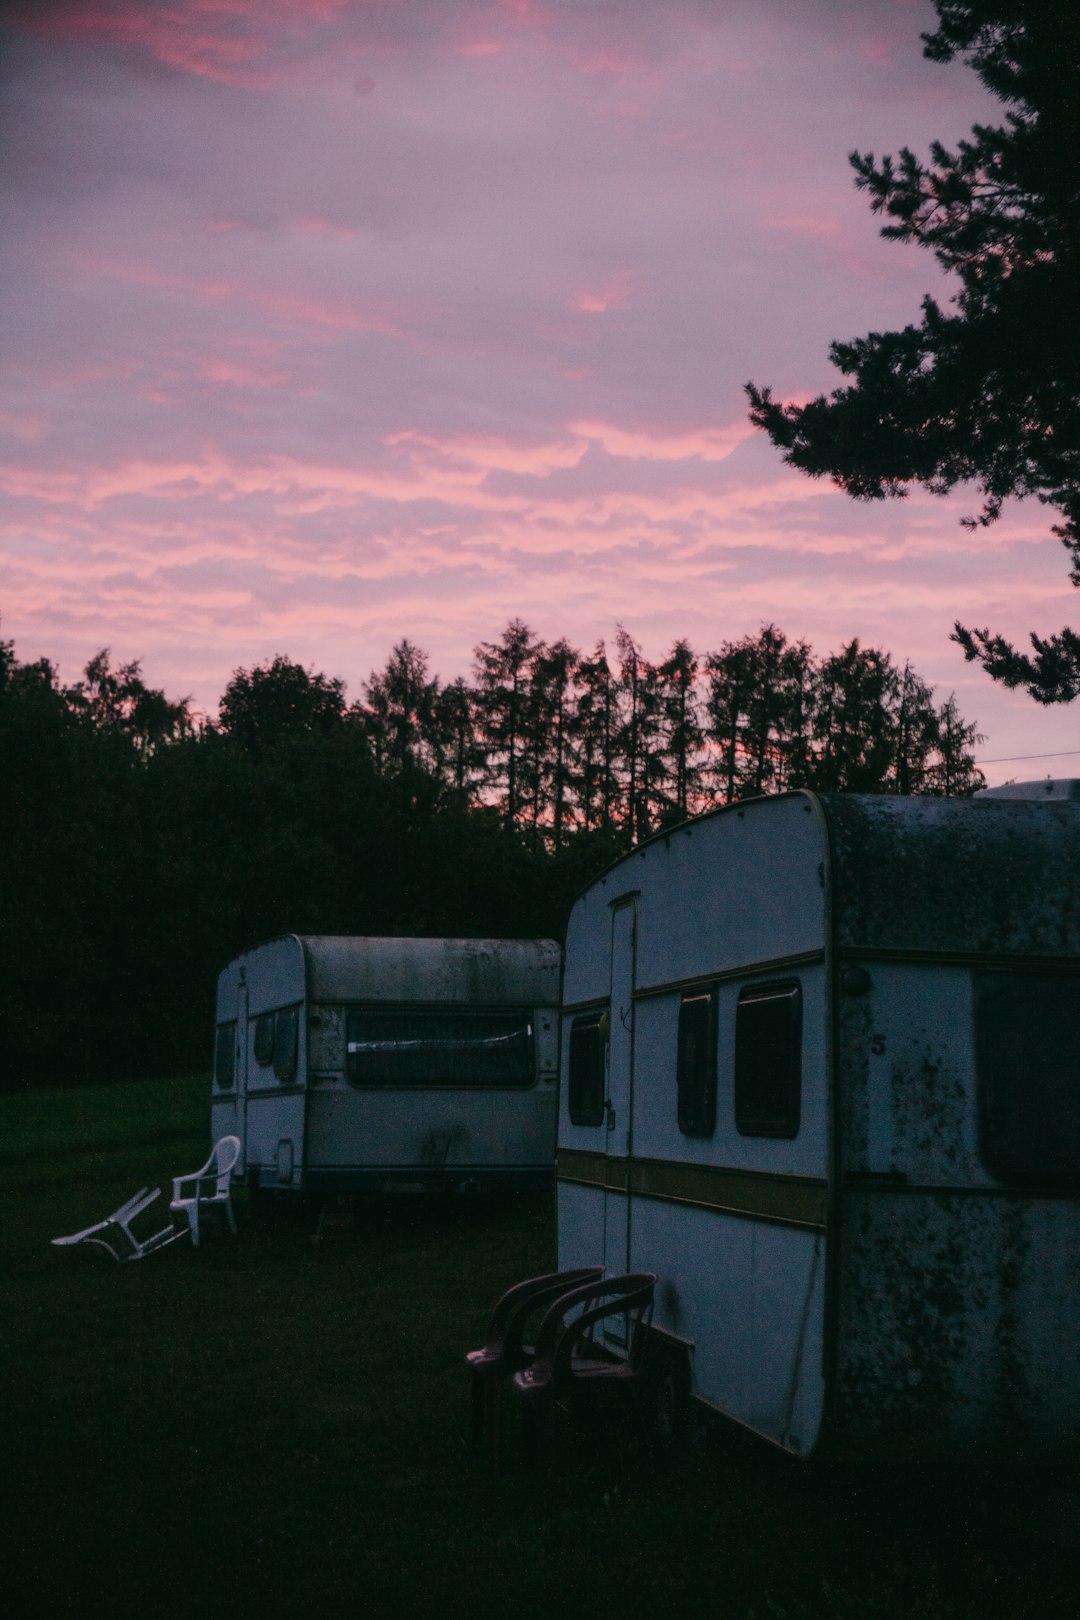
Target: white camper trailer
821,1074
352,1063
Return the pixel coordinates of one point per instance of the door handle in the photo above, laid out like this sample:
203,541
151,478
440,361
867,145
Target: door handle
609,1109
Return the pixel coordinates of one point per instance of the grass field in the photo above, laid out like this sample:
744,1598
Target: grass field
277,1426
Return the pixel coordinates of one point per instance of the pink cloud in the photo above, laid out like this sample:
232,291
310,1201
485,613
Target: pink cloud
488,454
612,293
193,39
601,61
711,444
481,47
380,315
816,226
223,372
312,225
878,50
249,44
27,426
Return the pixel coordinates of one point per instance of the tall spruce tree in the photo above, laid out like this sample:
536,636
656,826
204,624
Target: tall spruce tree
915,731
400,711
854,723
503,697
554,669
594,726
641,762
952,771
731,674
460,757
682,732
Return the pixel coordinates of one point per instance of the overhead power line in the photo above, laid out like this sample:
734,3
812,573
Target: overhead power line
1012,759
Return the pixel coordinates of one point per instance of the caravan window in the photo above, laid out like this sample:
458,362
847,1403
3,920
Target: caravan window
586,1081
768,1059
432,1046
286,1026
1027,1063
264,1038
697,1064
225,1056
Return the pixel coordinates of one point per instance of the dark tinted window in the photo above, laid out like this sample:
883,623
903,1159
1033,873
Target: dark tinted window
423,1046
286,1025
225,1056
264,1038
1027,1055
585,1096
697,1064
768,1059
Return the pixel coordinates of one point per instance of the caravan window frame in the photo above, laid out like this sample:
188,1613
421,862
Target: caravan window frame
515,1019
764,1107
586,1078
272,1045
264,1039
696,1063
286,1057
1023,1036
225,1046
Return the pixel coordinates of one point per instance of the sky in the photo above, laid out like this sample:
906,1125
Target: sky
328,323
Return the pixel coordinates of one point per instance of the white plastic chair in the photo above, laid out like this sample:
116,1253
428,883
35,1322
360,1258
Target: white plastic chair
210,1187
114,1234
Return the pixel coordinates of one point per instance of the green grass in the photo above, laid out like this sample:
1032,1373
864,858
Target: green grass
278,1426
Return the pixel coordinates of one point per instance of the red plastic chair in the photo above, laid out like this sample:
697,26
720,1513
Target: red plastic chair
504,1351
562,1373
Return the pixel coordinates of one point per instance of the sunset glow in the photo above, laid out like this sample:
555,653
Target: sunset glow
333,322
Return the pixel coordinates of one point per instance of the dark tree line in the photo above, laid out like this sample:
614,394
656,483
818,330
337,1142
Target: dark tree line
142,846
563,742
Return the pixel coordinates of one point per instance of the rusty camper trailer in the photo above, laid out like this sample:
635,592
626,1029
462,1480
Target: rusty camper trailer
821,1074
345,1064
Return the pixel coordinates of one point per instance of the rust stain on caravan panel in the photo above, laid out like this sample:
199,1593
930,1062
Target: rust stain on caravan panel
855,1037
372,969
930,1109
980,876
949,1334
449,1140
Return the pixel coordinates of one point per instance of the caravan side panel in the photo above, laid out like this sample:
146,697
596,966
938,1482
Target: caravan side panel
958,1321
361,1136
471,1127
729,910
261,1009
957,1237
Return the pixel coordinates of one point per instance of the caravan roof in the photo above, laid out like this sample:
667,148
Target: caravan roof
341,968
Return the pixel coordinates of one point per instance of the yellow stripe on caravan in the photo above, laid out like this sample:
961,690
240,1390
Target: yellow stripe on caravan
757,1194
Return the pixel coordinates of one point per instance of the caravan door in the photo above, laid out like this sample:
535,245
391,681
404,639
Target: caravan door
240,1115
618,1103
230,1064
276,1095
595,1125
